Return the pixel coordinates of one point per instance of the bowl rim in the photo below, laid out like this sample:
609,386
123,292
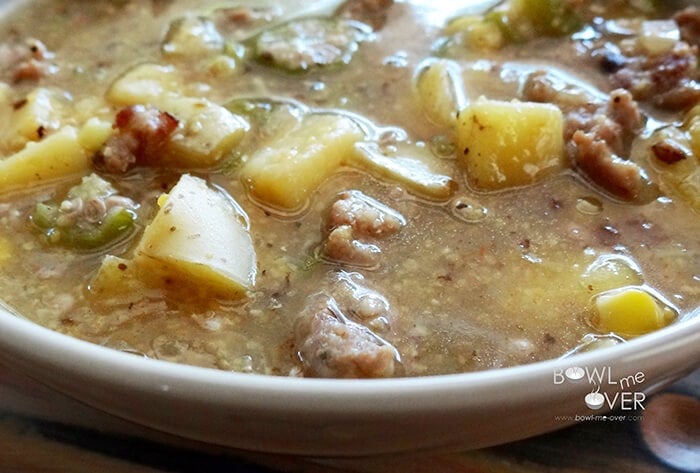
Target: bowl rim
306,416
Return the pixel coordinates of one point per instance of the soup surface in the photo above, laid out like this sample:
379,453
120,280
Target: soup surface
366,189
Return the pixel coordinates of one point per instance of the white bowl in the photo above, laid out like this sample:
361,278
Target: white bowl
346,417
324,417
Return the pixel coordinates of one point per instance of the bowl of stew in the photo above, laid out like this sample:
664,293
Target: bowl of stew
350,228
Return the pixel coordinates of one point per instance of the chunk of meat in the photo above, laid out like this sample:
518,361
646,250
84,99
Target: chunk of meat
332,346
688,21
618,119
598,133
354,222
616,122
26,61
667,80
342,246
141,133
360,302
372,12
367,216
307,43
669,151
624,111
621,178
684,96
600,145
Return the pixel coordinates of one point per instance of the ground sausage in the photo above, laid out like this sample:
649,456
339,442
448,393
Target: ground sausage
619,177
599,147
141,133
598,133
331,346
26,61
366,216
355,222
342,246
688,21
624,111
667,80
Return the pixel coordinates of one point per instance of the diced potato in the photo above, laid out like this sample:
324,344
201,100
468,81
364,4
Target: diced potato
286,170
38,115
93,134
94,106
659,36
144,84
115,276
631,311
198,236
410,172
55,157
611,271
440,90
205,133
507,144
206,130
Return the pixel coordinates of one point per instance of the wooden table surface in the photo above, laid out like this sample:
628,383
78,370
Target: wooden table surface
44,431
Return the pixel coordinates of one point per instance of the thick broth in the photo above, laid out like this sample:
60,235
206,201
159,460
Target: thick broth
474,280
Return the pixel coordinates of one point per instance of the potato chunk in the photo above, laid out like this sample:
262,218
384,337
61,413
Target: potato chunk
39,114
439,88
411,172
206,130
287,169
94,133
631,311
143,84
200,237
507,144
115,276
41,109
55,157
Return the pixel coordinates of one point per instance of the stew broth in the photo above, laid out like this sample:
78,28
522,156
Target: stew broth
444,276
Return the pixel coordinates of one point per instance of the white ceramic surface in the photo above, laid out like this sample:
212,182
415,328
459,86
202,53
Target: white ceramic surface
345,417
